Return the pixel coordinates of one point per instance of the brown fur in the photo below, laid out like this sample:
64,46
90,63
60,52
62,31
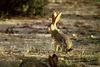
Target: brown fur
61,39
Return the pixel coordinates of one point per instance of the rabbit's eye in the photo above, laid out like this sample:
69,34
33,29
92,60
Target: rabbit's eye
49,25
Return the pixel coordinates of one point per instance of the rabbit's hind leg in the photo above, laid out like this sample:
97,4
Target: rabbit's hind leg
56,47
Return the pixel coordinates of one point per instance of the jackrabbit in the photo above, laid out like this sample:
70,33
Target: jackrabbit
62,41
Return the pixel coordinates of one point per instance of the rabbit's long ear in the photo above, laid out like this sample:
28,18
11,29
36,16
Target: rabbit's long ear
54,15
57,18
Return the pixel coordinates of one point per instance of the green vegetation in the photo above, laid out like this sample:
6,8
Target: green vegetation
98,0
22,7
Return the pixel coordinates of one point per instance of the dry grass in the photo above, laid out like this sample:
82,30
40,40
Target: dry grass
14,47
82,56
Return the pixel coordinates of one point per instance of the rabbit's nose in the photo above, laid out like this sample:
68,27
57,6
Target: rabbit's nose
49,30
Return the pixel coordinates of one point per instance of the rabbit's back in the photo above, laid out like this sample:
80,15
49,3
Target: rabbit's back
59,36
62,39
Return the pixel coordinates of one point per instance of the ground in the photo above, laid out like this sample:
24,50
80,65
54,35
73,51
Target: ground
22,38
31,39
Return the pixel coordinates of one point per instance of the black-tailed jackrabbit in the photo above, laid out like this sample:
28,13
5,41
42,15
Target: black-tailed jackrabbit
62,41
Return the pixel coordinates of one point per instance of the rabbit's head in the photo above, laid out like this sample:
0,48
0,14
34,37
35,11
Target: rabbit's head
55,19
